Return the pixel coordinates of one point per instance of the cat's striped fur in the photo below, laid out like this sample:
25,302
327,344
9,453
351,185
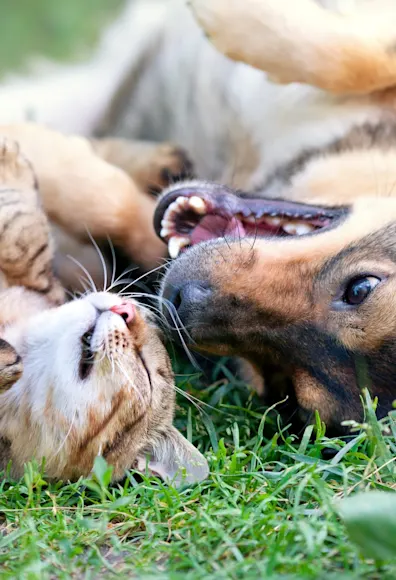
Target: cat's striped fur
86,378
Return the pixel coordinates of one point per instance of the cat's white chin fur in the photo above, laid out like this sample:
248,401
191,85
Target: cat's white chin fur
51,349
56,412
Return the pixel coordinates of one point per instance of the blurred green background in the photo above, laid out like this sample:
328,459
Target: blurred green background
57,29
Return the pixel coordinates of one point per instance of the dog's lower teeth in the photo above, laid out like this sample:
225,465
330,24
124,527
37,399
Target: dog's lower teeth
197,204
304,229
297,228
176,243
273,221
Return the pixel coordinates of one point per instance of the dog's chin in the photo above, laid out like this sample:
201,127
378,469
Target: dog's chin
293,392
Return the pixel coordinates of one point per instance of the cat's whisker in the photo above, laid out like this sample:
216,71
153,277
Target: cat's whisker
93,359
72,295
101,257
163,301
113,259
156,312
107,351
85,284
137,280
130,382
116,281
190,399
88,275
178,326
65,438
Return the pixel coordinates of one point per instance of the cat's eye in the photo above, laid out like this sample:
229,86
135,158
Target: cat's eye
359,289
86,338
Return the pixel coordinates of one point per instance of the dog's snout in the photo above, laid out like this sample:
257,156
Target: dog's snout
188,295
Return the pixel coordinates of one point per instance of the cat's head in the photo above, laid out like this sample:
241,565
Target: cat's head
93,378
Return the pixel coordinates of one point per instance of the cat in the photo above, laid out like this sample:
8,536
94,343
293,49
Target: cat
79,379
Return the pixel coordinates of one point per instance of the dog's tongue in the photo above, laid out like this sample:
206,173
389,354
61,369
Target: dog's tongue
214,226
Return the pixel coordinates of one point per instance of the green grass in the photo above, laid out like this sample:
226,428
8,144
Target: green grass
269,507
57,29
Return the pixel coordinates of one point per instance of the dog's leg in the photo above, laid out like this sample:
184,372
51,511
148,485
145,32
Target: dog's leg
82,193
300,41
152,166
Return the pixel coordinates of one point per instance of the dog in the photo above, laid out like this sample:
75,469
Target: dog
297,277
291,105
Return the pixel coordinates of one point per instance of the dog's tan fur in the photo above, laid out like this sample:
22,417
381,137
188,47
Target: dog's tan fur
84,194
343,52
273,302
296,142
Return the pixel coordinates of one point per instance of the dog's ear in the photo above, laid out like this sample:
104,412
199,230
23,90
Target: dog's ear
174,459
10,366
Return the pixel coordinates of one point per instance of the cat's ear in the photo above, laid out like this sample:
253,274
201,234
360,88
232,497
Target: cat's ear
10,366
174,459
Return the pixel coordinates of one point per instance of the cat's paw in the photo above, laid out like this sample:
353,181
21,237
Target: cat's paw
11,366
16,171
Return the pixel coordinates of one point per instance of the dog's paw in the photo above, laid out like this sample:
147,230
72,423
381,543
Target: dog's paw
169,164
152,166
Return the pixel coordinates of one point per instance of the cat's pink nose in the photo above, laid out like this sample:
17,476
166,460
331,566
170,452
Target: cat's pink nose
126,310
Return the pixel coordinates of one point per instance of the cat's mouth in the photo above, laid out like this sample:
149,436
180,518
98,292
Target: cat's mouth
197,212
87,358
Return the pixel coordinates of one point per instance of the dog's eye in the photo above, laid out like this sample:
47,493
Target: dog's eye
358,290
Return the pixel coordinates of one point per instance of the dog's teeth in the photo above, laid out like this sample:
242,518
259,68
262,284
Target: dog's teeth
290,228
173,207
165,223
167,219
273,221
166,228
176,243
250,219
303,228
297,228
182,201
197,204
165,232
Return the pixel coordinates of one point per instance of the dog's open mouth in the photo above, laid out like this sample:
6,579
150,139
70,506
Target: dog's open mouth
195,213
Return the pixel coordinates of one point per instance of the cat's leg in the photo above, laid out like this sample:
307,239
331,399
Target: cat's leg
301,41
25,246
85,195
153,166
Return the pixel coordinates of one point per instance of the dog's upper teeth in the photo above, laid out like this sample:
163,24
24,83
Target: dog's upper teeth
297,228
182,201
176,243
173,208
165,231
165,223
250,219
197,204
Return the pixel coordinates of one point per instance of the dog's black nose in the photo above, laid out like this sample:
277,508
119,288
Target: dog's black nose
188,296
